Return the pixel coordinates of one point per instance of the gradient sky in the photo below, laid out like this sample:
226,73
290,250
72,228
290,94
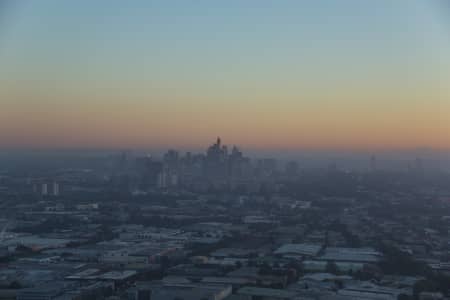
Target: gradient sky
346,74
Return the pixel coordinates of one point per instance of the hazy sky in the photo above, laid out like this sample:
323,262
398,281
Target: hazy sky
349,74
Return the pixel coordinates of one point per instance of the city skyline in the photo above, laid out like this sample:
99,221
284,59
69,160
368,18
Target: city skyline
287,76
226,150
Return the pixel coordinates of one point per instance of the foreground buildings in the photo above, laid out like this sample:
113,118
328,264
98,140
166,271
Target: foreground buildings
220,225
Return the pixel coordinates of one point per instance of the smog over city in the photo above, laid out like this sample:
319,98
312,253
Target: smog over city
225,150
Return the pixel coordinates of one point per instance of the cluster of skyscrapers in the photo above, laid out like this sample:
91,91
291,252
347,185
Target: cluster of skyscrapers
45,188
218,166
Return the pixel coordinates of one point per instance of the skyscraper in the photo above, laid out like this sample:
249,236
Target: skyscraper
44,189
55,191
373,163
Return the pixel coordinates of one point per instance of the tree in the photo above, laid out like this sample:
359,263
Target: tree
424,286
332,268
400,263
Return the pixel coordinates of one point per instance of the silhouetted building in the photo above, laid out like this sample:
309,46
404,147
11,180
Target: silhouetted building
292,169
373,163
55,191
44,189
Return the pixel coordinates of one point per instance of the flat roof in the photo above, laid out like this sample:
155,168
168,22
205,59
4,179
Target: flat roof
266,292
118,275
300,249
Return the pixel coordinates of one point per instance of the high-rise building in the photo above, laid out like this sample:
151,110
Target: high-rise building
167,179
292,169
44,189
55,189
373,163
216,162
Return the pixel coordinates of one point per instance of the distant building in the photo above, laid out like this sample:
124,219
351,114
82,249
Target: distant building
373,163
44,189
167,178
55,189
292,168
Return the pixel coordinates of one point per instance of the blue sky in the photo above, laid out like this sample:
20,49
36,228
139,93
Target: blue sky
196,57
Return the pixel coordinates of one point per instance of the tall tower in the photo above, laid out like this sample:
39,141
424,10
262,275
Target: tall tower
55,189
373,163
44,189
